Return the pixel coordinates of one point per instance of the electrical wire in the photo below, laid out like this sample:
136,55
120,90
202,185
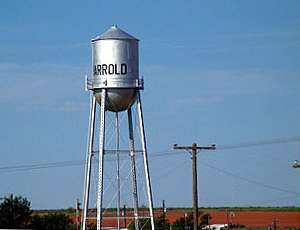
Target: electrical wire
163,153
166,153
247,179
39,166
260,143
58,164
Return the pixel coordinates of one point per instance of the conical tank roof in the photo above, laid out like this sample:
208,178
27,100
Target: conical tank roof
114,33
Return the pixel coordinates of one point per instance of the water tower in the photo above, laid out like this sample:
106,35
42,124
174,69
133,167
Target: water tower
115,87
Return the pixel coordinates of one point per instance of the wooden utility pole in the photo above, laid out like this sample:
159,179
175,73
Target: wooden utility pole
193,150
274,224
77,214
164,214
124,216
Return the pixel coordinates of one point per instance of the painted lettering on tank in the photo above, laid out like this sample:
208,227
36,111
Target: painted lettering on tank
116,68
104,69
110,69
123,69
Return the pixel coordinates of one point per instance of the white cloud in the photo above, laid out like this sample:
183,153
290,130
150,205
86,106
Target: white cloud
206,88
54,87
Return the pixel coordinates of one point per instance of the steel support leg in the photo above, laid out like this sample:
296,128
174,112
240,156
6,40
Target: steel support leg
133,170
88,163
118,168
101,160
145,158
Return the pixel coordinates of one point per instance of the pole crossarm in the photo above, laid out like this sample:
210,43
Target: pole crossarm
194,146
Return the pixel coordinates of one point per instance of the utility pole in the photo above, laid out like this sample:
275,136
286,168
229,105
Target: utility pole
274,224
185,221
77,214
194,150
164,214
124,216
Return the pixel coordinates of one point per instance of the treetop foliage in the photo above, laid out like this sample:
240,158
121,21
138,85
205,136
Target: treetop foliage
14,212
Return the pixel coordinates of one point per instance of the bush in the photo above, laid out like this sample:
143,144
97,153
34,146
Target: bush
184,223
187,223
14,212
51,222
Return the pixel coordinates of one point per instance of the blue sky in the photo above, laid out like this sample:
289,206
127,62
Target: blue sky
223,72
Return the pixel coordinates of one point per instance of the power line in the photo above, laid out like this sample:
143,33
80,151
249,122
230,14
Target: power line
81,162
58,163
260,143
163,153
28,167
40,166
247,179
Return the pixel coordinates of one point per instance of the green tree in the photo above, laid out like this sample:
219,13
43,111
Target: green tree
204,219
161,223
53,221
183,223
37,222
187,223
14,212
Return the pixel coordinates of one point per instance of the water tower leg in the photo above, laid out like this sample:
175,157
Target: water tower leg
101,160
145,158
133,170
88,162
118,168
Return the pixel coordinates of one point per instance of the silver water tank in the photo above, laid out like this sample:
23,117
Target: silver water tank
116,68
